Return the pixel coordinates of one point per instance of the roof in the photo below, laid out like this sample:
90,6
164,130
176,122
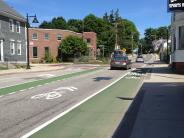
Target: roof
7,11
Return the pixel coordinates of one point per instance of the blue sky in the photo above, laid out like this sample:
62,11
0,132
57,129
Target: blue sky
144,13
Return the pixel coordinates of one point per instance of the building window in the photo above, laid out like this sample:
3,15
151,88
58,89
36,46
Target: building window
11,25
46,37
34,36
181,36
88,41
19,48
18,27
59,37
35,52
12,48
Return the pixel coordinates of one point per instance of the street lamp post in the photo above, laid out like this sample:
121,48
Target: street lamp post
35,20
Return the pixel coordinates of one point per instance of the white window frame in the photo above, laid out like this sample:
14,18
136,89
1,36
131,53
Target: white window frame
12,47
18,26
45,36
59,36
19,48
11,25
36,37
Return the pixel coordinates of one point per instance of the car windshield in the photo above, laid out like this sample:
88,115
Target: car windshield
120,58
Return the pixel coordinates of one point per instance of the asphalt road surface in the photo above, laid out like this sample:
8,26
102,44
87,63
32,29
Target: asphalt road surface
21,112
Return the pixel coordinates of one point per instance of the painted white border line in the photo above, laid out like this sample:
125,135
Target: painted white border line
11,93
70,109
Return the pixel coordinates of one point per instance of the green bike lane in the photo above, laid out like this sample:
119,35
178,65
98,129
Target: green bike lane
99,116
32,84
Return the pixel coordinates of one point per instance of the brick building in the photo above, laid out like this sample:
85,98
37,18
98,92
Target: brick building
43,41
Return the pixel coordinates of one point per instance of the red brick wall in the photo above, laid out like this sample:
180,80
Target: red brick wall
179,66
53,43
93,39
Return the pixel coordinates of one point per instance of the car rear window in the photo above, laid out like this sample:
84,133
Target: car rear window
119,57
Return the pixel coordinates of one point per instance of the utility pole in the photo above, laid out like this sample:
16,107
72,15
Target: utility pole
132,42
116,43
83,29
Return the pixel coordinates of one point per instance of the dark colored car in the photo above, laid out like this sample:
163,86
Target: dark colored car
120,61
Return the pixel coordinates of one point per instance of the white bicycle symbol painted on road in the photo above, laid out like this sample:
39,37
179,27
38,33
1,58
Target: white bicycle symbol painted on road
56,93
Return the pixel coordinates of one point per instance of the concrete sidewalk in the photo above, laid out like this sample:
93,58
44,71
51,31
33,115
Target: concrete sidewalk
161,113
34,68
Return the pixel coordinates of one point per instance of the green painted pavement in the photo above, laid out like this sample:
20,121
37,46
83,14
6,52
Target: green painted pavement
96,118
15,88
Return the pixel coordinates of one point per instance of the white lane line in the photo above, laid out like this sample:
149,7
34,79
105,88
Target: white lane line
31,88
22,90
11,93
70,109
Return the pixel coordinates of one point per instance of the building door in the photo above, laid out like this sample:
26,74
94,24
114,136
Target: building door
1,51
46,51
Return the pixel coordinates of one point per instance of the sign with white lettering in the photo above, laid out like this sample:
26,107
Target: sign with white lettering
175,5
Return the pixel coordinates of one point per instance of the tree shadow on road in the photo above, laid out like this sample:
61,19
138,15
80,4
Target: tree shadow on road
102,78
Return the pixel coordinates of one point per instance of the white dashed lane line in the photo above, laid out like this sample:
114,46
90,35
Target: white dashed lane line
11,93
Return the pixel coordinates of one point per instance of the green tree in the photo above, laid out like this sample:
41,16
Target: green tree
56,23
150,35
73,46
145,47
111,17
117,16
75,25
128,34
47,25
59,23
162,32
104,30
106,17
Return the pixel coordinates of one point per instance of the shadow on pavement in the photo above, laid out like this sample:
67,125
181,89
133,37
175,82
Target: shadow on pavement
156,112
126,125
102,78
125,98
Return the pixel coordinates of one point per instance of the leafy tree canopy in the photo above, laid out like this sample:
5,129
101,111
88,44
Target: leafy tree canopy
72,45
56,23
75,25
105,28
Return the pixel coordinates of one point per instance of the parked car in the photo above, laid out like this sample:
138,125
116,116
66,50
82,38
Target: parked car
139,58
120,61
